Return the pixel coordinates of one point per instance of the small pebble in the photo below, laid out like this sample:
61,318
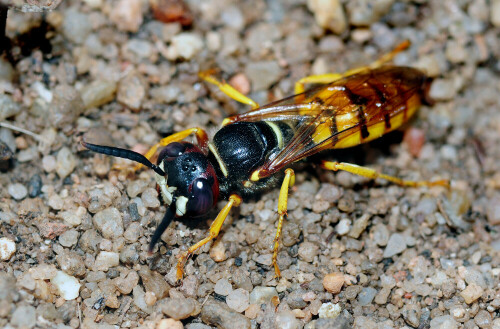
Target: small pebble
444,322
68,286
442,90
139,300
483,319
17,191
359,226
223,287
49,163
126,284
105,260
127,15
133,232
136,187
329,310
263,74
170,11
7,137
307,251
66,106
24,317
472,293
169,324
252,311
150,298
150,198
493,210
154,282
98,93
343,226
365,297
333,282
66,162
35,186
184,46
132,91
76,26
329,14
241,83
220,315
8,108
495,12
218,251
68,238
109,222
395,245
179,308
261,295
286,320
238,300
7,248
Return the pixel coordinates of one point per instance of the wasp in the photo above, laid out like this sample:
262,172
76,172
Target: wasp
254,151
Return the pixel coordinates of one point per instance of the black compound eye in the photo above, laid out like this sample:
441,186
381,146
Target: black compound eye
172,150
201,199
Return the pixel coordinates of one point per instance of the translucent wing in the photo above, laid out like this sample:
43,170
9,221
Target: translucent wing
344,113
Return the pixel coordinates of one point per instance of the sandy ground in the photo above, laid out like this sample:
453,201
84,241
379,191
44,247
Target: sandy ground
355,252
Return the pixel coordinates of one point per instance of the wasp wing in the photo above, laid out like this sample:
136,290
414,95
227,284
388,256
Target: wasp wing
349,111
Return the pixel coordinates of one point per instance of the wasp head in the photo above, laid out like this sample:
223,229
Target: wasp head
189,180
186,179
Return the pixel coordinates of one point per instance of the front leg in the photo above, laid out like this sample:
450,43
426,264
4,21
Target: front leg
234,200
288,182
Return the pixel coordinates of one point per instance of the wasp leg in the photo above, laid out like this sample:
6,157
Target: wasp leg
371,173
288,182
228,89
201,138
330,77
234,200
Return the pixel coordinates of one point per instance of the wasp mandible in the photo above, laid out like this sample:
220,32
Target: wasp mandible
253,151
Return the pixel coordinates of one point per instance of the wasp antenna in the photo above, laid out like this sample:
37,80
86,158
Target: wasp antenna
123,153
167,219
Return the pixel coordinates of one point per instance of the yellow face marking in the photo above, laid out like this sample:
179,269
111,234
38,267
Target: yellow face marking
219,160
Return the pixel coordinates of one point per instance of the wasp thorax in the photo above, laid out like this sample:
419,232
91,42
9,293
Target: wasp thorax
190,180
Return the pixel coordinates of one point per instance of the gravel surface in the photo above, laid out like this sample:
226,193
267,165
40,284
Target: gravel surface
74,232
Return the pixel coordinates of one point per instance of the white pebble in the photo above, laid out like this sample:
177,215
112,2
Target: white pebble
238,300
329,14
66,162
343,226
184,45
17,191
67,285
223,287
49,163
105,260
329,310
7,248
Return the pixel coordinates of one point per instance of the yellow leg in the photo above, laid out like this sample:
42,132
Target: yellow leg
201,137
371,173
228,89
330,77
288,182
234,200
